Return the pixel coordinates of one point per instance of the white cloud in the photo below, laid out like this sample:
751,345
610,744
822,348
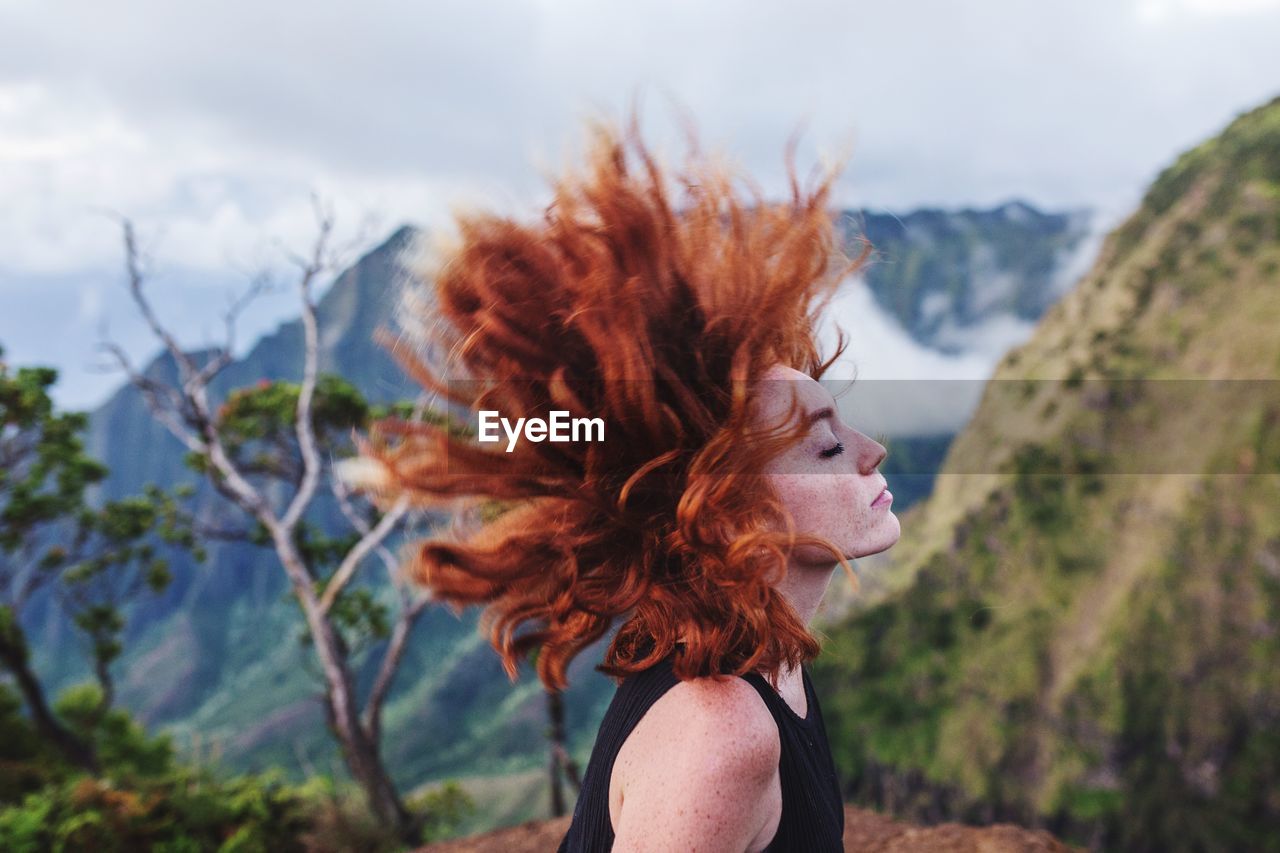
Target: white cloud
404,106
211,123
899,386
1157,11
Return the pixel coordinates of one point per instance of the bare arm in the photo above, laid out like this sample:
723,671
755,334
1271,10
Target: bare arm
699,773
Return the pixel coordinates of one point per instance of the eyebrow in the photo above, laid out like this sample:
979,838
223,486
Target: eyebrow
819,415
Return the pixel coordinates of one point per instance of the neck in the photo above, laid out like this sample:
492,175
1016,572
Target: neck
803,588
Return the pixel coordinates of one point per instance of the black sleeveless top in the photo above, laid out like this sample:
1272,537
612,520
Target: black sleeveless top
812,819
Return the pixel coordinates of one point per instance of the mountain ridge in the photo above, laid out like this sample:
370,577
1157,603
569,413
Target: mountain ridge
1106,491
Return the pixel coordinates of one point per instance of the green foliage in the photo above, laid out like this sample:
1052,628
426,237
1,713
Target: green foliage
183,811
26,762
1246,153
340,820
145,799
1198,758
142,800
45,475
445,807
1163,738
360,617
900,656
1075,377
405,410
93,560
322,552
122,745
257,424
45,469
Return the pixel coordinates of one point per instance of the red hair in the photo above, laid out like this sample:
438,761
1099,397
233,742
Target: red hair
617,305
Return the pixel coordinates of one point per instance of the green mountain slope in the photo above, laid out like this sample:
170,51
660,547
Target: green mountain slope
1083,620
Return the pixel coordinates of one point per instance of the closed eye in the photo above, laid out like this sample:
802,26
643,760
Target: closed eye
833,451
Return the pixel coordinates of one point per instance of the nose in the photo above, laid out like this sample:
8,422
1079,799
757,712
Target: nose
871,454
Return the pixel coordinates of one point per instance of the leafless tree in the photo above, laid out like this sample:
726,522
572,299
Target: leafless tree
184,409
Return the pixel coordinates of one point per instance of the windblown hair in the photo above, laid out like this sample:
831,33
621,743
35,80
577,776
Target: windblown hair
618,305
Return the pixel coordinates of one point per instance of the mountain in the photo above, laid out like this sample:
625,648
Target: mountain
1081,624
949,276
216,660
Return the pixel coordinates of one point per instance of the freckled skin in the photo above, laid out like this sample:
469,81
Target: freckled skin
828,497
700,770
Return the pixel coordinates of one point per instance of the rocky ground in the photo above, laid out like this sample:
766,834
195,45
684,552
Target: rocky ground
864,831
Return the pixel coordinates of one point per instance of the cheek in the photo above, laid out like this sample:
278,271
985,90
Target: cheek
824,505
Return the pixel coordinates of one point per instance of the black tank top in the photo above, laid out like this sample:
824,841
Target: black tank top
812,818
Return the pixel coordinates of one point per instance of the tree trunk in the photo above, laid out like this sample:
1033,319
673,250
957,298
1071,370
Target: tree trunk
361,752
557,790
360,749
13,654
561,762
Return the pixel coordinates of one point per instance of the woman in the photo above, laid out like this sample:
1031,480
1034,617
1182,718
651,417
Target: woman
705,526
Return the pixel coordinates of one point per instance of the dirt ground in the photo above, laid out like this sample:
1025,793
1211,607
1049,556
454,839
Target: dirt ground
864,831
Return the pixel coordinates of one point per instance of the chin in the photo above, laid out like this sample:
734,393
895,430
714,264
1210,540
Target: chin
890,538
884,537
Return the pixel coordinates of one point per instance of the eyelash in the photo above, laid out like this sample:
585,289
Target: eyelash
834,451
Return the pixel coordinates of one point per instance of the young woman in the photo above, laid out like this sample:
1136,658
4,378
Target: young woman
707,523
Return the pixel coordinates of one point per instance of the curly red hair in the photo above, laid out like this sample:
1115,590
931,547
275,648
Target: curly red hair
618,305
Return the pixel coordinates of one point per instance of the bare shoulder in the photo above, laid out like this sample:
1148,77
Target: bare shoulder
727,711
705,758
722,723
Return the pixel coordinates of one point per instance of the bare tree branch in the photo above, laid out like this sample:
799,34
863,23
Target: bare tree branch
171,415
197,429
305,428
257,286
412,604
372,716
367,543
343,496
133,267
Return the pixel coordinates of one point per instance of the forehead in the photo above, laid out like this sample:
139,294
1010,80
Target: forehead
780,384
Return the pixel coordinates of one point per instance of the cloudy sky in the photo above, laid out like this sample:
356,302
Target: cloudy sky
210,124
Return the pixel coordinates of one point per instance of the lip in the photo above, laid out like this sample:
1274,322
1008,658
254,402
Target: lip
883,499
